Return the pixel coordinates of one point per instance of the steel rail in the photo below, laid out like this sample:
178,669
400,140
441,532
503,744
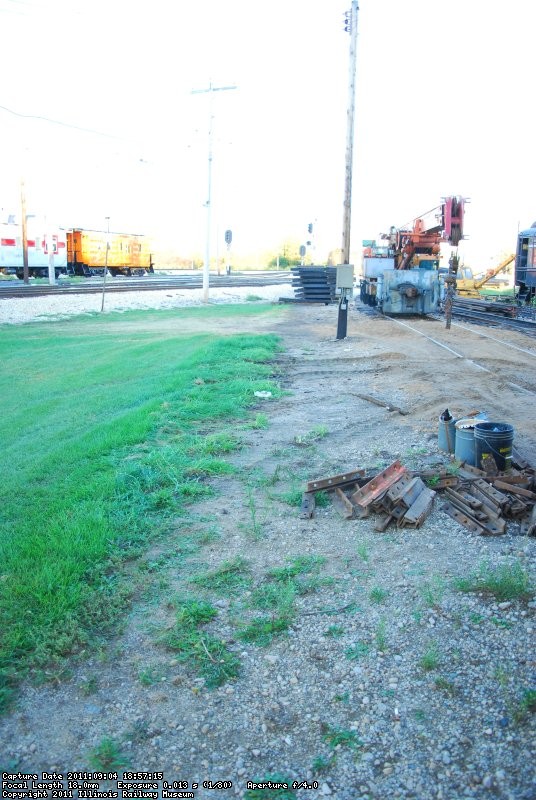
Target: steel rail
469,361
142,285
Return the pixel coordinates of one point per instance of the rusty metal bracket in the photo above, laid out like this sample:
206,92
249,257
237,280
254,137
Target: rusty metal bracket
343,504
419,510
341,480
307,505
378,485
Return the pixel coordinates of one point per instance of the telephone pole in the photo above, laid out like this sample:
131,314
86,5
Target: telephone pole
208,205
24,231
350,26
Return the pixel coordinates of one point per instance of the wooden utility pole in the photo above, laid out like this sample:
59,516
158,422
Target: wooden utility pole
351,28
24,228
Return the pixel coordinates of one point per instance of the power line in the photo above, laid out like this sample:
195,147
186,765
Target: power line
63,124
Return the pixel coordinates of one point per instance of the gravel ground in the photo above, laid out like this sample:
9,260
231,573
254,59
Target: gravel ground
390,682
26,309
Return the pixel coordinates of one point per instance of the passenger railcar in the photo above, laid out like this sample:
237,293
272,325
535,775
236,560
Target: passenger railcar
526,264
41,242
76,251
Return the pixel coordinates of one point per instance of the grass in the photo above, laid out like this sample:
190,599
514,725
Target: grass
358,650
193,645
380,635
107,755
378,595
230,578
111,425
505,582
314,435
269,782
430,660
296,566
432,592
335,737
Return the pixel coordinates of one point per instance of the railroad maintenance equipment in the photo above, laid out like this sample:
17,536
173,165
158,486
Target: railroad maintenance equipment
469,286
402,277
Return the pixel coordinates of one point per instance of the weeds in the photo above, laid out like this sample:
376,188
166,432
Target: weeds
363,552
149,676
89,686
205,652
334,630
381,636
430,659
358,650
526,705
378,595
260,422
339,736
321,763
298,565
314,435
272,786
446,686
230,578
505,582
432,591
262,630
107,755
255,527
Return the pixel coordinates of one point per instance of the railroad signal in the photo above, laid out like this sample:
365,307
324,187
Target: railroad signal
228,237
310,228
348,21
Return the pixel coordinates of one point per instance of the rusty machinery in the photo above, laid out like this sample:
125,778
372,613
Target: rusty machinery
401,276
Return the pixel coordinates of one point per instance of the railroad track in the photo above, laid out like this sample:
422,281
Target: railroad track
509,317
94,285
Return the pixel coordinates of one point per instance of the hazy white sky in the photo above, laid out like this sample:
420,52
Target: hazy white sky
443,106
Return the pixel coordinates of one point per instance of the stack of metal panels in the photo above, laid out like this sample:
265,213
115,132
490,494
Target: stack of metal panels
314,284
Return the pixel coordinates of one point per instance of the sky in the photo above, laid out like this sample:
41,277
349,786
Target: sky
443,106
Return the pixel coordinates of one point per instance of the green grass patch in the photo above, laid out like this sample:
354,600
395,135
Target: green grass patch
195,646
505,582
340,736
230,578
430,660
299,565
107,755
272,785
112,424
378,595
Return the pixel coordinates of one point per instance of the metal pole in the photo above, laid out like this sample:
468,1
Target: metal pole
49,239
105,261
347,213
24,227
208,204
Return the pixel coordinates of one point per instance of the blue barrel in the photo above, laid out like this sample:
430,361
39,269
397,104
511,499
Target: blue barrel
494,439
464,447
446,434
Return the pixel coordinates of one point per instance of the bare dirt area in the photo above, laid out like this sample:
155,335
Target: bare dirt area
374,674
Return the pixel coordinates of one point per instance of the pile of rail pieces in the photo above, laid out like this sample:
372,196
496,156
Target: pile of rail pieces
481,500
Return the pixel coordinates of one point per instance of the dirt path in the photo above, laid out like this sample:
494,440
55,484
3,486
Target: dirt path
388,682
